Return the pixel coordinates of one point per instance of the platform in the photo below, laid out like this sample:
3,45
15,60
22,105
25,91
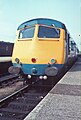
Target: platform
63,102
5,59
5,63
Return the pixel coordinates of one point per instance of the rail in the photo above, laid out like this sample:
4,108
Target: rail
17,105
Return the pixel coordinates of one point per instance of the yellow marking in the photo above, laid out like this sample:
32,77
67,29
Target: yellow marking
42,49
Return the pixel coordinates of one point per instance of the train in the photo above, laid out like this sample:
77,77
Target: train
6,49
42,48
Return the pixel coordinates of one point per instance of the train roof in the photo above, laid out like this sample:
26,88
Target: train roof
43,21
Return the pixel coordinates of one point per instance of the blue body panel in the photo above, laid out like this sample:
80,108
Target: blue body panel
43,21
27,68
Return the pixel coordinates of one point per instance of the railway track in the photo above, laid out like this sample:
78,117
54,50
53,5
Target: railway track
8,80
17,105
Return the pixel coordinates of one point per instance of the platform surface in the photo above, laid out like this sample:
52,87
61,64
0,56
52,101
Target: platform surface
5,59
63,102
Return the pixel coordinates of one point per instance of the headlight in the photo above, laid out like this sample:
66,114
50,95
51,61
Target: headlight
53,61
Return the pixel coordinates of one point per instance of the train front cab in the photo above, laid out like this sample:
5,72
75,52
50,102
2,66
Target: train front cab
40,55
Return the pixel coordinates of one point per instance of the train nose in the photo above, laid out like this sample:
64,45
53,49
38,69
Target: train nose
34,71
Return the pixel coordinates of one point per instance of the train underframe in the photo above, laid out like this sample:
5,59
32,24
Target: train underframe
49,77
50,80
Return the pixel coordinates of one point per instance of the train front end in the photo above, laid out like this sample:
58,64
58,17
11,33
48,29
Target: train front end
38,50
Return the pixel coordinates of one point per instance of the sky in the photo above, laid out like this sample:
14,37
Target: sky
15,12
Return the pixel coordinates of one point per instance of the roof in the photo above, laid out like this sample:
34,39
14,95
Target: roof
44,21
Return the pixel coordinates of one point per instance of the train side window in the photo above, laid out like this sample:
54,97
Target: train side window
47,32
26,33
73,44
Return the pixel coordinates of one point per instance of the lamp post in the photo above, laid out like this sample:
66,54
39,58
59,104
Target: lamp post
80,44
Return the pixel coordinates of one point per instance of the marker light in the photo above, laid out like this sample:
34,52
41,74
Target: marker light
40,77
29,76
17,60
45,77
33,60
53,61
